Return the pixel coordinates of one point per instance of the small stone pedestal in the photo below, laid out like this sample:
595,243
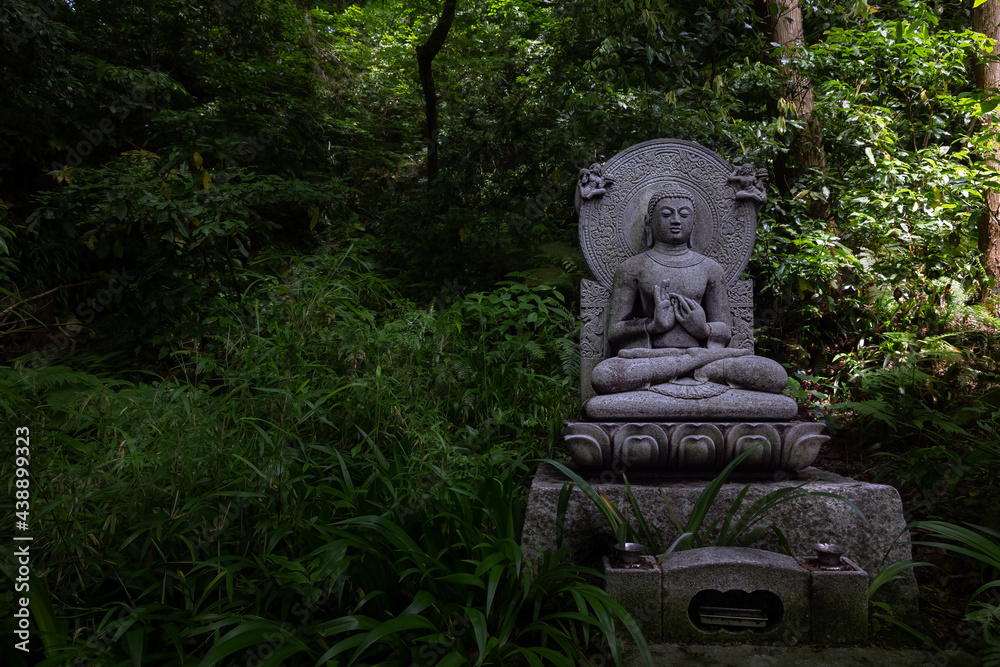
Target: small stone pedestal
838,604
638,590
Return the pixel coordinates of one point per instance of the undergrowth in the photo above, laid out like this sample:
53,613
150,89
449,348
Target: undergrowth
334,476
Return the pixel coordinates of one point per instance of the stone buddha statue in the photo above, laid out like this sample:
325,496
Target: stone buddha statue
669,320
669,323
668,377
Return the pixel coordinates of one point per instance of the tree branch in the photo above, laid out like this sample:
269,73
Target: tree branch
425,57
4,314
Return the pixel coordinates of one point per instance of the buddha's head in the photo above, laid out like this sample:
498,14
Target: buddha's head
671,216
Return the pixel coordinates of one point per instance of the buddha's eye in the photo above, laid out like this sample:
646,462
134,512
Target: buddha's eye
684,212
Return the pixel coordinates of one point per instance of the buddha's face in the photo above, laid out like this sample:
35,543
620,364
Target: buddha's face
673,220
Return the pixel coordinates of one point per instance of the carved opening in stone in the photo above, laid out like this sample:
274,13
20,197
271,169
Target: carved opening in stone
735,610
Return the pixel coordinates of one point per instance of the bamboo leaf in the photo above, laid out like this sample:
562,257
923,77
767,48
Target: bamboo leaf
248,633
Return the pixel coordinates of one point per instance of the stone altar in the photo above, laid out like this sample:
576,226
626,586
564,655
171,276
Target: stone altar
668,376
803,521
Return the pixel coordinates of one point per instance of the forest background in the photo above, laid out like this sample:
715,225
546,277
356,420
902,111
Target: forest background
289,296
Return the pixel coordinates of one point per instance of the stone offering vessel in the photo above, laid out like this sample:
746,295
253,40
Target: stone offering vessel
669,380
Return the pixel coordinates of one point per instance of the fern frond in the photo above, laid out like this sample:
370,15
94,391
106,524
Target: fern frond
875,408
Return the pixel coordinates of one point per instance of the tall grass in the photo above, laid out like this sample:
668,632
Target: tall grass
334,476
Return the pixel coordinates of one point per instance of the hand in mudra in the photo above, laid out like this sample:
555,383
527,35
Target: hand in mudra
691,316
664,313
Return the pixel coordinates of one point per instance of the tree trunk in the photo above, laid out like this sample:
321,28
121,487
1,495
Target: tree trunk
986,20
785,21
425,57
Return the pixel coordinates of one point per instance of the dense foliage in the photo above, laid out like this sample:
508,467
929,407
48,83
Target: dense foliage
257,346
342,476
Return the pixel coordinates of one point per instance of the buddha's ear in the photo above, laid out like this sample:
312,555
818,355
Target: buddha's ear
648,233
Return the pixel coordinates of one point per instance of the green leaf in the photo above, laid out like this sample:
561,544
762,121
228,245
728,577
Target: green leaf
136,641
391,627
653,542
891,572
44,616
248,633
480,631
610,513
463,578
707,497
564,495
966,541
453,659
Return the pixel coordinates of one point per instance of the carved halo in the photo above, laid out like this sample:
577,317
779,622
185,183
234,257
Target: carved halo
612,226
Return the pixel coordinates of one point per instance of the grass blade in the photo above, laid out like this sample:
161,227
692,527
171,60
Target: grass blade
564,495
653,542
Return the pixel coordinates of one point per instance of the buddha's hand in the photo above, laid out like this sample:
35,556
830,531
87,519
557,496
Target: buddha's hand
664,313
692,317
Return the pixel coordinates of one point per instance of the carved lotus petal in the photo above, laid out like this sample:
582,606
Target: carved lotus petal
585,452
801,453
742,437
801,445
761,458
697,447
638,446
807,428
696,452
588,445
639,452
